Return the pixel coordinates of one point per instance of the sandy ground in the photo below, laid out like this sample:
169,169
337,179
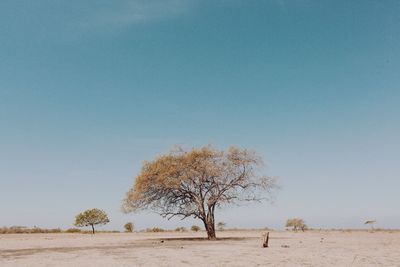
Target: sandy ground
235,248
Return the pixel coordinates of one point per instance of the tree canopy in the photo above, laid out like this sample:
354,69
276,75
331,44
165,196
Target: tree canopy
193,183
296,223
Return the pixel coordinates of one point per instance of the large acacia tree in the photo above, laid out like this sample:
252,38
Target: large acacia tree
194,183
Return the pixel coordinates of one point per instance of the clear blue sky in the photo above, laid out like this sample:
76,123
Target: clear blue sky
90,89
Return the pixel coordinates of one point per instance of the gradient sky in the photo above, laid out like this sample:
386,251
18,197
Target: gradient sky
91,89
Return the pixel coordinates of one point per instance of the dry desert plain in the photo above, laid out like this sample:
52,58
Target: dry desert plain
234,248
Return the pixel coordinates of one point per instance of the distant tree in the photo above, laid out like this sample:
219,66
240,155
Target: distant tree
91,218
221,226
372,222
129,227
155,230
193,183
180,229
195,228
297,224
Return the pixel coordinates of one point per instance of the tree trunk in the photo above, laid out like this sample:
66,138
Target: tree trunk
92,228
210,227
209,224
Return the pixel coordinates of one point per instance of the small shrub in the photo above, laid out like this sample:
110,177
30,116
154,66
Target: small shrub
128,227
73,230
18,230
180,229
155,230
195,228
36,230
221,226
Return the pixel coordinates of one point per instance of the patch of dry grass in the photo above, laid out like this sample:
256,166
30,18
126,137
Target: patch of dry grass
38,230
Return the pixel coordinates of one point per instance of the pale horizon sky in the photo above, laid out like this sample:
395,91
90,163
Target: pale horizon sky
89,90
